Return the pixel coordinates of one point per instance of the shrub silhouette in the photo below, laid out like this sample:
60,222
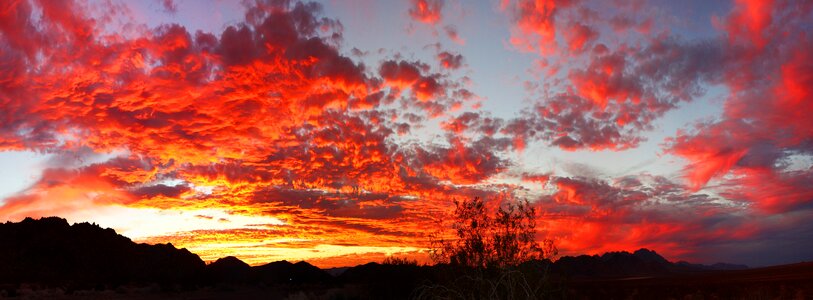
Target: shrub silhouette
505,240
490,257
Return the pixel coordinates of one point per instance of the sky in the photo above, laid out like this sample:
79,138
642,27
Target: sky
340,132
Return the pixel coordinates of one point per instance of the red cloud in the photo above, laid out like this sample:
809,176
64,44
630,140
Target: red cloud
65,193
763,125
463,163
605,80
613,90
771,192
471,121
536,23
426,11
541,179
400,74
449,60
169,6
749,20
451,31
711,155
404,74
595,216
579,36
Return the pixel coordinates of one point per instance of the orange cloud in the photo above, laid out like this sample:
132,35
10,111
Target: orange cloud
264,119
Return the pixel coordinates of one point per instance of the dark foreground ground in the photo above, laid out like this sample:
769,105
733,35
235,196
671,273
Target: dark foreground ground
780,282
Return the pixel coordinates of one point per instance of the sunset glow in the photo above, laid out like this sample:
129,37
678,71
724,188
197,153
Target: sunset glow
339,132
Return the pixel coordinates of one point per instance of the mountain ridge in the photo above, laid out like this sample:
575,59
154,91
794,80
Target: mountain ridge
58,227
53,252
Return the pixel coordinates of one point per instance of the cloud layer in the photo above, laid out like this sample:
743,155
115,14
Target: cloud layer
271,120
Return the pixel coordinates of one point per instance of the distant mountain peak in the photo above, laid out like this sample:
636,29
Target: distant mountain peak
649,256
717,266
230,261
304,264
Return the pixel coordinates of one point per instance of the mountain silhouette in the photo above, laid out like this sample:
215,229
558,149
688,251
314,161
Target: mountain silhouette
233,270
49,250
229,269
51,253
283,272
714,267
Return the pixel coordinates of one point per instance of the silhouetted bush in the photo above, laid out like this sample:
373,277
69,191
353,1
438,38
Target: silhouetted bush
486,254
507,239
